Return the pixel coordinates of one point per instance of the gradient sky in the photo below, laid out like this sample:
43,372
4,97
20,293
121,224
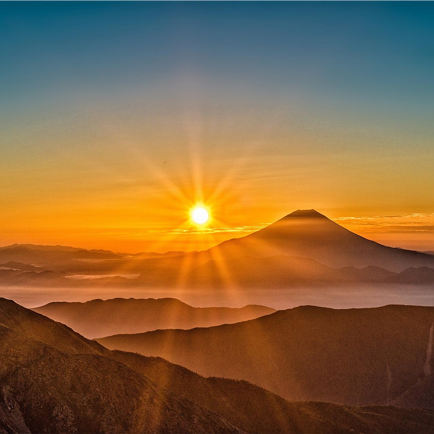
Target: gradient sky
115,118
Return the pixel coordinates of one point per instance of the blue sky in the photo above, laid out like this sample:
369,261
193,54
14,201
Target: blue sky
104,106
363,51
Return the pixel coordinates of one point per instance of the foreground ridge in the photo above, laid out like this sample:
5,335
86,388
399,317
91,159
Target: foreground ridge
55,381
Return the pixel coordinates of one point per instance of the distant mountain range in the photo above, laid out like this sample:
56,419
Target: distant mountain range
43,255
303,248
353,356
55,381
98,318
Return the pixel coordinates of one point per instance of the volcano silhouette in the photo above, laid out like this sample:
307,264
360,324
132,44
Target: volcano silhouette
309,234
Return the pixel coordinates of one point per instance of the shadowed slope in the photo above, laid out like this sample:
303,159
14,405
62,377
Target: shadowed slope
48,385
39,328
354,356
48,390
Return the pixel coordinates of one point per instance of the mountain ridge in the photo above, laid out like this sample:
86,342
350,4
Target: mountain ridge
95,318
48,386
343,356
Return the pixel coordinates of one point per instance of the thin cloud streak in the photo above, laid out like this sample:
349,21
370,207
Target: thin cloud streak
414,222
237,229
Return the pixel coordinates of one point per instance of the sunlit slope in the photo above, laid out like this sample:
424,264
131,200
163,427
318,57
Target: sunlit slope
352,356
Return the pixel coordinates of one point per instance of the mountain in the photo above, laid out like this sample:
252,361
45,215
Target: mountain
239,272
350,356
73,257
421,275
277,272
309,234
55,381
303,248
49,255
236,273
99,318
420,395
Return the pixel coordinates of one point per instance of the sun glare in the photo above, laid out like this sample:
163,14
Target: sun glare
200,215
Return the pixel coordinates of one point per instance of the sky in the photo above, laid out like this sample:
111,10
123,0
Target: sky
117,118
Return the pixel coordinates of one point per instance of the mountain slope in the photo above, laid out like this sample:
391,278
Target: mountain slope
53,380
353,356
44,389
305,247
42,255
99,318
289,271
309,234
55,392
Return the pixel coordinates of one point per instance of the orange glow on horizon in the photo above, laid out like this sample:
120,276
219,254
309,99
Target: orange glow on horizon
141,199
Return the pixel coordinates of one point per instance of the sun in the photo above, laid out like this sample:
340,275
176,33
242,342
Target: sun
199,215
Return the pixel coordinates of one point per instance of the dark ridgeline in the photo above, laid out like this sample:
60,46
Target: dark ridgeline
352,356
55,381
98,318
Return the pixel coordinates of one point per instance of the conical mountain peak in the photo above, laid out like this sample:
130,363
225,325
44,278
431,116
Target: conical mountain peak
306,213
306,233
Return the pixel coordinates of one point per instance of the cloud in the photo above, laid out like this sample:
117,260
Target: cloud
219,230
415,222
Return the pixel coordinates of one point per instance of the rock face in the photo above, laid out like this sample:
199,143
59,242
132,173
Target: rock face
350,356
53,380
